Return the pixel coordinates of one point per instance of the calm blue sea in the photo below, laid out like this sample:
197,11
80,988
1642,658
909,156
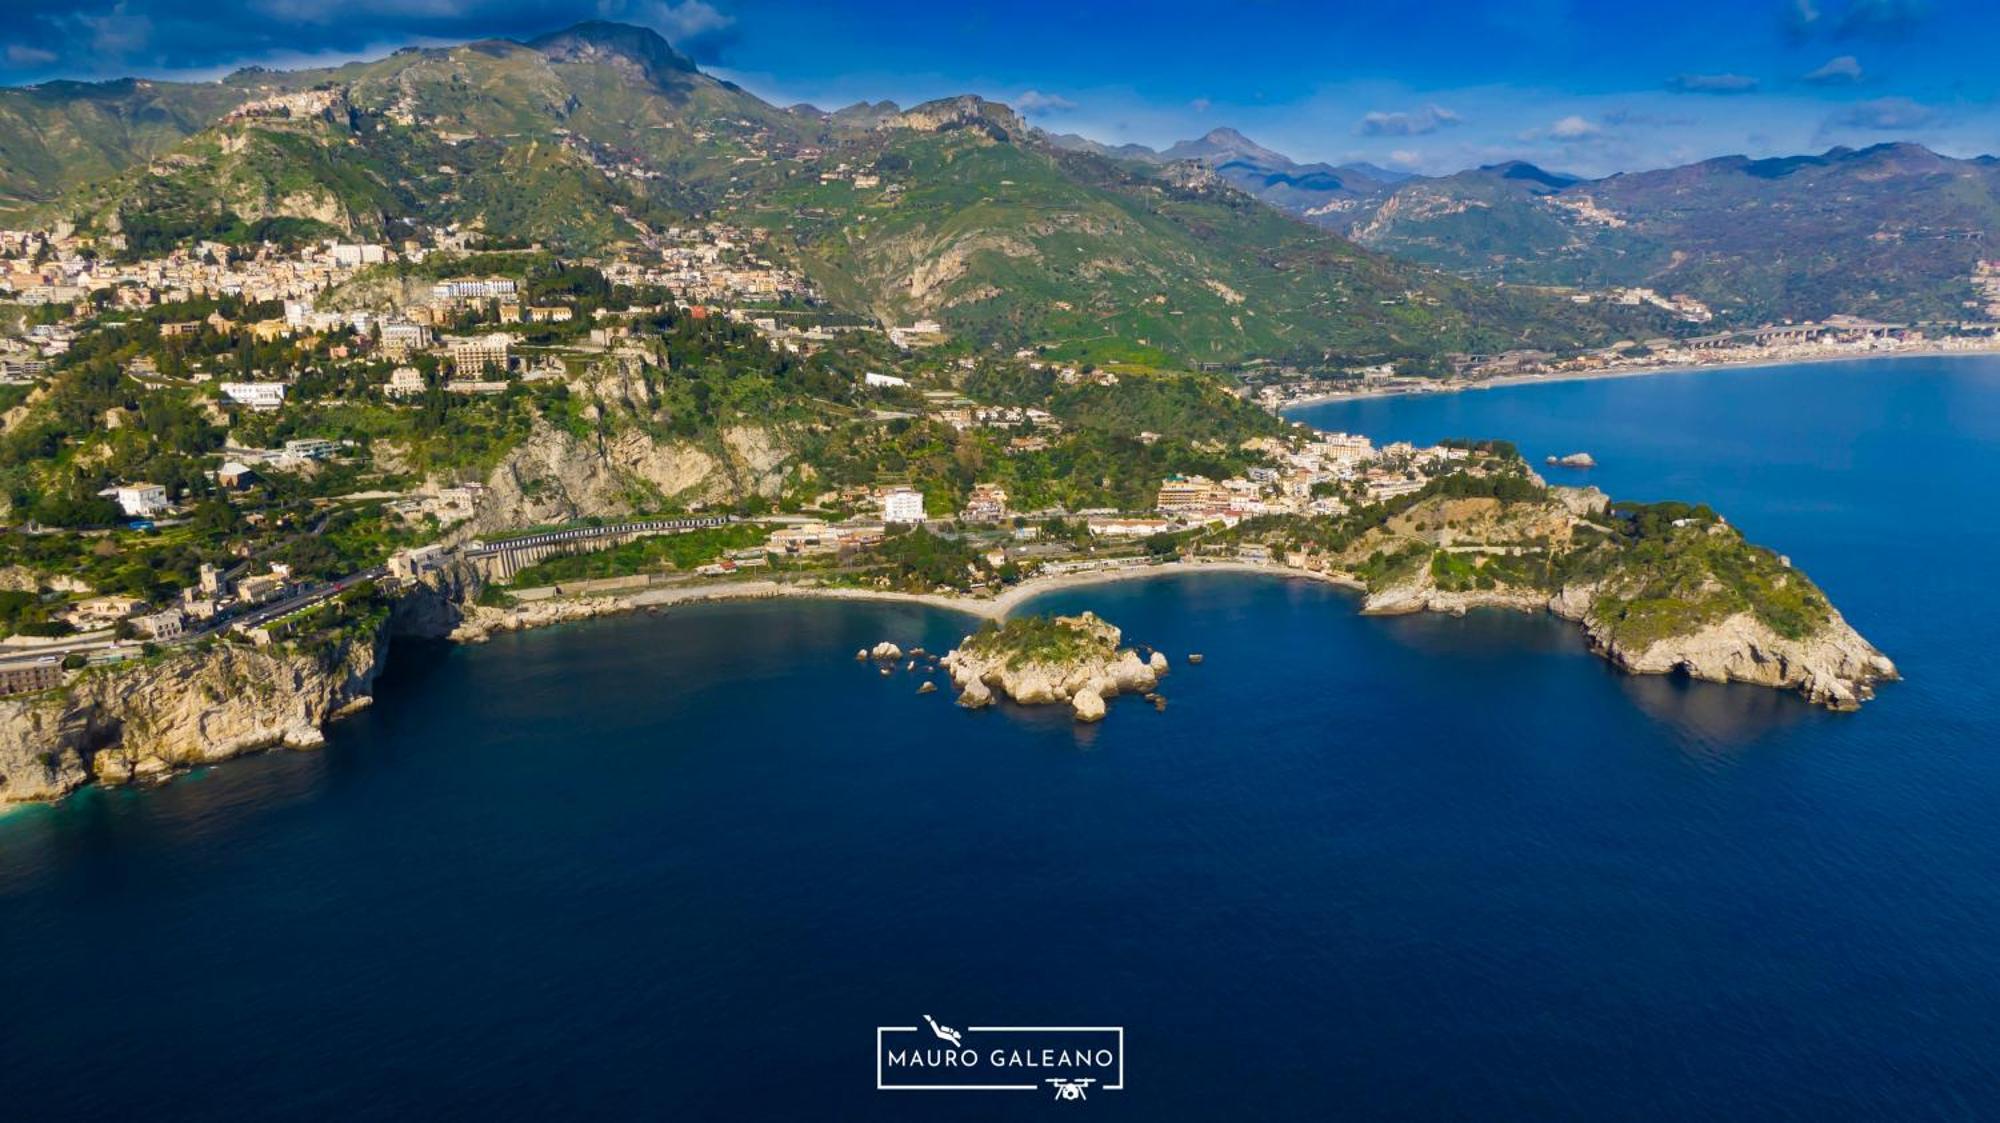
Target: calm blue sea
681,866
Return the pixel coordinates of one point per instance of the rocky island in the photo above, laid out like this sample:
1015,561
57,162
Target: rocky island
1051,660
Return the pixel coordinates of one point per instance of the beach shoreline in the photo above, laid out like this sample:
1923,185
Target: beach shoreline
985,608
1635,372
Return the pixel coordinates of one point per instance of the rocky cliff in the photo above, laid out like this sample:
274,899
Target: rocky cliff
1833,666
143,722
1037,661
119,725
623,466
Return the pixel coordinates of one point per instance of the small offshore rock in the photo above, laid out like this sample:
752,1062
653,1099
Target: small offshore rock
861,656
1088,705
1195,658
887,651
1158,662
928,687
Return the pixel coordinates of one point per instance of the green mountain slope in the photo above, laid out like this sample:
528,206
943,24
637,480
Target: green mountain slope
955,210
522,140
58,135
977,222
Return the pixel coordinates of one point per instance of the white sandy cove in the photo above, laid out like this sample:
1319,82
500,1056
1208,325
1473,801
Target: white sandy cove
990,608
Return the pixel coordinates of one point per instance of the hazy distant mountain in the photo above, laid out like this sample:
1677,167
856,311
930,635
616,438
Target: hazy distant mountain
1892,231
1072,142
1223,146
1313,191
1377,172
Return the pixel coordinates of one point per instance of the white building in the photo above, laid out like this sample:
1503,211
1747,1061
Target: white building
168,625
311,448
404,381
256,395
365,254
874,379
474,290
902,505
140,500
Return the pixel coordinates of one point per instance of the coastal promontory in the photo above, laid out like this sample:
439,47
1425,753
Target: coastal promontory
1658,588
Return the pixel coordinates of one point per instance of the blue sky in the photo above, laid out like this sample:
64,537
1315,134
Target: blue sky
1588,87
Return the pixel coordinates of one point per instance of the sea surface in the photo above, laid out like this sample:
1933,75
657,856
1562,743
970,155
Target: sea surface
680,866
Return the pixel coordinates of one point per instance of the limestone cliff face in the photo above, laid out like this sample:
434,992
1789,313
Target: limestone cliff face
139,723
478,623
1083,674
555,476
1423,595
1834,667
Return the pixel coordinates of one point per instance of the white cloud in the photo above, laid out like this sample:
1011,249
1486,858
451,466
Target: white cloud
1712,83
1429,119
689,19
1801,16
118,32
1835,71
1574,128
1035,101
21,55
1884,114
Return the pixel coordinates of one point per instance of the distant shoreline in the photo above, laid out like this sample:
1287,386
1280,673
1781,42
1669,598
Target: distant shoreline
1633,372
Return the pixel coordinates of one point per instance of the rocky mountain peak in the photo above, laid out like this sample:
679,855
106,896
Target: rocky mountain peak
603,40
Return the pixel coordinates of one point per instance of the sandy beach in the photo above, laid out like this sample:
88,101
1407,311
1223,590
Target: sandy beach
1641,372
987,608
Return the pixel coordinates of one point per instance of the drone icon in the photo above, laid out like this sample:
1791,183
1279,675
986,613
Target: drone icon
1071,1089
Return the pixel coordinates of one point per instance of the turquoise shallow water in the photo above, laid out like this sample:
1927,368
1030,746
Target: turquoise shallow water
1374,869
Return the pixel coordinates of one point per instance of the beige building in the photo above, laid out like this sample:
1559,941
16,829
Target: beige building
28,676
472,355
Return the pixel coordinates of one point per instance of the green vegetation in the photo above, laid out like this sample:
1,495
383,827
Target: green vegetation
1039,639
1674,569
923,561
656,554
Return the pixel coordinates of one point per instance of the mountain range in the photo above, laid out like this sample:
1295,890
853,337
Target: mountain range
1217,249
1894,231
590,138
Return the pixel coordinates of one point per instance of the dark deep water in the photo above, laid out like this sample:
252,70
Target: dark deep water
1360,869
